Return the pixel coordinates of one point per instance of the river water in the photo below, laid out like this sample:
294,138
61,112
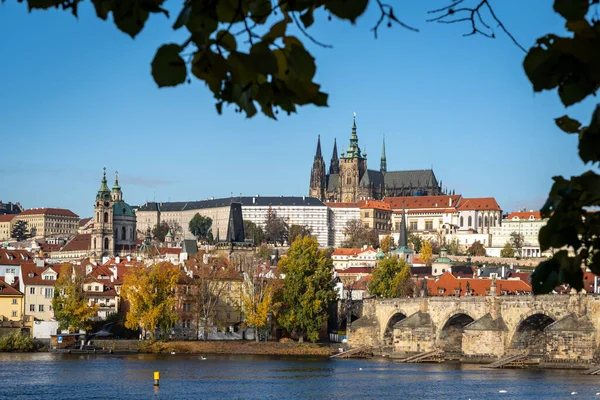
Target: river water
83,377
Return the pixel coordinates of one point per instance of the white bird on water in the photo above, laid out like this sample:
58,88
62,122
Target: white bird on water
573,393
172,352
501,391
202,358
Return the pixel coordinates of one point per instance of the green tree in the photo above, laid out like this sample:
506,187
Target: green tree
507,251
151,294
426,252
200,226
453,248
391,278
308,288
264,252
357,235
477,249
297,231
517,241
20,231
253,232
160,231
276,229
386,243
69,303
416,242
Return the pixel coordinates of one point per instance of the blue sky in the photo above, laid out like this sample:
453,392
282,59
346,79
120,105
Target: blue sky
76,95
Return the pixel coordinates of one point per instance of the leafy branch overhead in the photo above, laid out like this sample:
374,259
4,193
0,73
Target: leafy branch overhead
242,49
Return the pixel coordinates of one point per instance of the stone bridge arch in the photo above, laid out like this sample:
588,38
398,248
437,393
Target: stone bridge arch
527,335
450,329
387,336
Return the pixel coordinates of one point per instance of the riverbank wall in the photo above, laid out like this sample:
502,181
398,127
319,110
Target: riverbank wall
239,347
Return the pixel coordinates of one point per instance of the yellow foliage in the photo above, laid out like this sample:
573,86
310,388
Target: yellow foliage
426,252
386,243
151,296
70,304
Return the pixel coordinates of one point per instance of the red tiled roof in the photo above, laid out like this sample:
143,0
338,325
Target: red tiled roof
374,204
170,250
479,203
433,202
78,243
417,260
50,211
36,274
14,257
447,284
7,290
7,217
331,204
84,221
355,270
524,215
362,283
341,251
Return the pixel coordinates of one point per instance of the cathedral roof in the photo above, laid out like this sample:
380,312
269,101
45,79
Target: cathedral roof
371,177
479,203
332,182
414,178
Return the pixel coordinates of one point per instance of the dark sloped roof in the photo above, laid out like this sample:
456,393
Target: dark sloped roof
421,177
224,202
417,320
487,323
332,182
371,177
571,323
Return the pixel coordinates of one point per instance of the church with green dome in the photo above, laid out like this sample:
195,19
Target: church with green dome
114,231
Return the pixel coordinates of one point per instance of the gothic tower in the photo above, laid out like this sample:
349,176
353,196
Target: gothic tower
102,243
317,175
352,168
334,166
383,165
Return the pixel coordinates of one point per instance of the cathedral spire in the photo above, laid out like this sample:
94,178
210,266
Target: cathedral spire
318,154
334,166
103,191
353,149
403,237
383,165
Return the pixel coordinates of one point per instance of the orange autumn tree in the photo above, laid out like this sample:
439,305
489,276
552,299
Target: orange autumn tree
70,305
151,296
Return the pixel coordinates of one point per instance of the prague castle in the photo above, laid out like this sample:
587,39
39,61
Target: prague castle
349,179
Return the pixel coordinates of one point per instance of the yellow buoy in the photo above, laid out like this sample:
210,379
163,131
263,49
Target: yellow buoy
156,378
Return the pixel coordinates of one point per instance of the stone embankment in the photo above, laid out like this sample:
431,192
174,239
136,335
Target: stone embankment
238,347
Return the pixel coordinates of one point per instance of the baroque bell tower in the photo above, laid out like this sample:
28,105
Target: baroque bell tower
102,240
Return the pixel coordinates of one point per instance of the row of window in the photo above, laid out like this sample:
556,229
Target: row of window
40,308
47,292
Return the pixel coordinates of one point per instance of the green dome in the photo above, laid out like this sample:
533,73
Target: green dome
120,208
443,260
380,255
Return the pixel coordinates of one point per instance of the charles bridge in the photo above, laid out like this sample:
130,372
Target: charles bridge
557,328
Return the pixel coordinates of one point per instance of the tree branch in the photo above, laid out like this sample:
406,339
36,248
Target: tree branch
450,15
312,39
388,12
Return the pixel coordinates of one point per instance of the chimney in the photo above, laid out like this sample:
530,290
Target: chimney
88,269
117,260
112,279
254,200
128,258
450,202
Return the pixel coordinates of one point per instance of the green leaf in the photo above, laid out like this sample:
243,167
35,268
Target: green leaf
242,67
300,61
263,58
129,16
103,7
308,18
576,91
168,68
589,140
540,67
229,11
572,9
347,9
567,124
545,277
183,17
211,68
226,40
260,10
277,30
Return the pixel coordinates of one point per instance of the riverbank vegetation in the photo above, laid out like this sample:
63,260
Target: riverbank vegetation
17,342
238,347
